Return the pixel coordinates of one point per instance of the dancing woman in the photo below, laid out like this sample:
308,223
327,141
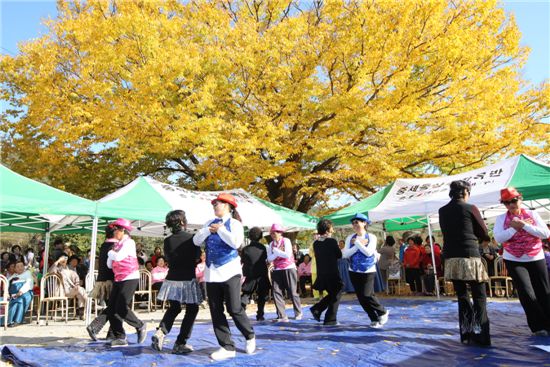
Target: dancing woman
222,237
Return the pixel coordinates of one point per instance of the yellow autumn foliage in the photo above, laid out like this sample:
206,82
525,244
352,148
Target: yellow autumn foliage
295,101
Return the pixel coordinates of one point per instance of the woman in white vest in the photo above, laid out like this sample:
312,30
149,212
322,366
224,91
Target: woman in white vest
222,237
360,249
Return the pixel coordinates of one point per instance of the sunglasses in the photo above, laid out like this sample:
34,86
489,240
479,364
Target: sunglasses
508,202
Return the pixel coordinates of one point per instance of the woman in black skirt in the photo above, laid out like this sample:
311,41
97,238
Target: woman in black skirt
180,286
462,226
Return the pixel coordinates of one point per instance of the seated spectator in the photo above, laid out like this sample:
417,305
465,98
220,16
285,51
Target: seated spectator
20,290
75,265
155,256
488,253
71,282
140,253
10,269
29,258
159,273
58,245
304,274
5,260
16,252
412,262
148,264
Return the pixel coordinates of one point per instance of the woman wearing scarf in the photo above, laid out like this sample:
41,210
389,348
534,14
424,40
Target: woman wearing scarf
360,249
521,231
223,236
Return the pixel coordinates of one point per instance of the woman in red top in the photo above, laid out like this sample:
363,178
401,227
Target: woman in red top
412,261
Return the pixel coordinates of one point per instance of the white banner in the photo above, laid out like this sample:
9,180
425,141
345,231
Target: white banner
424,196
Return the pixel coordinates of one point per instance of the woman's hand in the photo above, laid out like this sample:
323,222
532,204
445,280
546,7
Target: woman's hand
517,223
213,228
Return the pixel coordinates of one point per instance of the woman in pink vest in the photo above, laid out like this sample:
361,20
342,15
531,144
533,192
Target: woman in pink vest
122,259
521,231
284,276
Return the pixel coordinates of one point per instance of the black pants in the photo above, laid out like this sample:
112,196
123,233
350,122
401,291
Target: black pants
119,309
330,302
413,277
363,283
531,282
191,311
260,286
304,279
473,320
99,322
230,293
203,290
286,279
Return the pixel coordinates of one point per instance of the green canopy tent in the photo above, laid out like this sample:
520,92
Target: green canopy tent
406,203
30,206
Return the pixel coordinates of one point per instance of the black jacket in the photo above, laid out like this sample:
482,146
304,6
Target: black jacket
462,225
103,272
254,257
182,255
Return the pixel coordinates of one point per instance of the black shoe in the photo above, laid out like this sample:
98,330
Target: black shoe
91,332
260,318
316,314
182,349
119,343
142,333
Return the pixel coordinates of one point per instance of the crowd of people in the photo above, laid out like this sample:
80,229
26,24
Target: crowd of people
213,266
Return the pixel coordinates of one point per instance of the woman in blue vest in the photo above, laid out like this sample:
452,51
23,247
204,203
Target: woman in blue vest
222,237
360,249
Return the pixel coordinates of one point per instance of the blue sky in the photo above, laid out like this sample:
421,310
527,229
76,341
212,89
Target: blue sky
21,21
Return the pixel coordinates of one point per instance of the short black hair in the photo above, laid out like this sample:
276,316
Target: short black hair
323,226
459,188
390,241
161,257
255,234
14,247
176,220
416,239
58,241
147,262
74,257
61,255
109,231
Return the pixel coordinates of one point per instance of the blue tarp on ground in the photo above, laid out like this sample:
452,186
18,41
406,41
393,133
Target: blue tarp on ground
419,333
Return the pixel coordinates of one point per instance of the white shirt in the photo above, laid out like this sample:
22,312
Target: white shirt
539,229
368,250
273,253
25,277
235,239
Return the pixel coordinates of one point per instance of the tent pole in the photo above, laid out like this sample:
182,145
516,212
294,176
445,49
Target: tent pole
46,250
90,278
433,256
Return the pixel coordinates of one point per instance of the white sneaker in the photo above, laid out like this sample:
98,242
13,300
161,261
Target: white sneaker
376,325
250,346
222,354
384,317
